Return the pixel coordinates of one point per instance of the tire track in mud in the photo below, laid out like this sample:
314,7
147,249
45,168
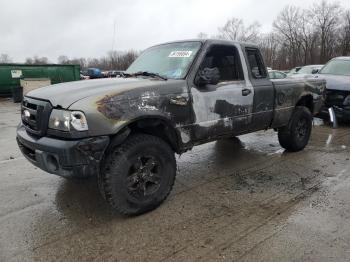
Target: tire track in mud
55,240
205,227
316,181
166,232
276,213
259,166
190,224
324,187
269,215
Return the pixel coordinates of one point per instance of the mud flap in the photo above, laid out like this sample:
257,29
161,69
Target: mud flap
333,117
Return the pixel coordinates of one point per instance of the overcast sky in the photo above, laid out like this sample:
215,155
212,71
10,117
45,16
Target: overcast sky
82,28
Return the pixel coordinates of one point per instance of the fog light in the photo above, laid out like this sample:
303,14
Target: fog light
52,163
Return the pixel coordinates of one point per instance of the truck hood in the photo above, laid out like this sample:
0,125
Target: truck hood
65,94
336,82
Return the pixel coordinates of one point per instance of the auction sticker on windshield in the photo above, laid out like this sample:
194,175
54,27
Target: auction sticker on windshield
180,54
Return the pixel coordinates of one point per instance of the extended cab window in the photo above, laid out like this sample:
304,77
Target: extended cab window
256,65
227,60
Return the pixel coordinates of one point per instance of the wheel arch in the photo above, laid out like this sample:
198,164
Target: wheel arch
158,126
307,101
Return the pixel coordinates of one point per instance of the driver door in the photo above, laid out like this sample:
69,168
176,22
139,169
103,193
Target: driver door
225,108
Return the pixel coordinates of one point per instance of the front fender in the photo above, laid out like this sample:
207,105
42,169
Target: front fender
108,115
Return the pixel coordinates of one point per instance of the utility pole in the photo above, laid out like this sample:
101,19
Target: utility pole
113,40
113,43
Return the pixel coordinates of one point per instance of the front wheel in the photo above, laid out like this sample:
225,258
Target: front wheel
138,175
295,136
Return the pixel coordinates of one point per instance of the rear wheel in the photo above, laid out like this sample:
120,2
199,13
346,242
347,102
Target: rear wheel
295,136
138,175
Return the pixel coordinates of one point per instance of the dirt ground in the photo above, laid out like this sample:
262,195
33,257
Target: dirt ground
243,199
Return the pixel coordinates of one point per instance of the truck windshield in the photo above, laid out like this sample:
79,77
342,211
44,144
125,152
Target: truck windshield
169,60
337,67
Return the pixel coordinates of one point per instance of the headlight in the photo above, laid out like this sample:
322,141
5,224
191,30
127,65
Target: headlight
65,120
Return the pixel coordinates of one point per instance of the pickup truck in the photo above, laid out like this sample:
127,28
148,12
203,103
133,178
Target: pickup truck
173,97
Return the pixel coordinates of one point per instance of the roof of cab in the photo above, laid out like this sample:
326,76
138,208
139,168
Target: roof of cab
342,58
213,41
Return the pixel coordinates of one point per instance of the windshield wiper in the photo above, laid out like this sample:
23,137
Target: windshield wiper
145,73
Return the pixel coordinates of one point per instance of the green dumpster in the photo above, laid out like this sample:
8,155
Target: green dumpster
11,74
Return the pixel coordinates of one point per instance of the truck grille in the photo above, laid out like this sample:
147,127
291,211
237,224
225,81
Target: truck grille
336,97
35,115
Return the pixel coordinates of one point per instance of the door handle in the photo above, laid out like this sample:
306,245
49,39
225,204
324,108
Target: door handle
178,100
246,91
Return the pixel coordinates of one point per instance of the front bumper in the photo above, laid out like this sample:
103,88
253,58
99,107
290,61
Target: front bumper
67,158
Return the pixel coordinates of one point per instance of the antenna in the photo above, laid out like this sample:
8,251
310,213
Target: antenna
113,40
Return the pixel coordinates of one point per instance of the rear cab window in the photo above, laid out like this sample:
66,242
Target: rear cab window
255,63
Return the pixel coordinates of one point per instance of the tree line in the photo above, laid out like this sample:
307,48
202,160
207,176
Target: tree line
299,36
114,60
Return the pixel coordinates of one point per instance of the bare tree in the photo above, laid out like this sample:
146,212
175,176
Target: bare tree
202,35
114,60
300,36
288,25
269,46
29,61
234,29
325,18
122,60
36,60
62,59
41,60
79,61
5,58
307,38
93,62
65,60
344,38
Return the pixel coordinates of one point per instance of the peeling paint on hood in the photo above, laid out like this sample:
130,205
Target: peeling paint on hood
65,94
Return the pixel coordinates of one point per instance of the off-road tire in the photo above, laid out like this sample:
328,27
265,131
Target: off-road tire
295,136
114,177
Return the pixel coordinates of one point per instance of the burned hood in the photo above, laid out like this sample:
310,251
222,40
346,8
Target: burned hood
65,94
336,82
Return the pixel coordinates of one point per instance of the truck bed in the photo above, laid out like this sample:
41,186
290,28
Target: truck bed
288,92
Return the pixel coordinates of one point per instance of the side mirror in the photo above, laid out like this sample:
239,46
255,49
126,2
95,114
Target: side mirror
314,71
208,76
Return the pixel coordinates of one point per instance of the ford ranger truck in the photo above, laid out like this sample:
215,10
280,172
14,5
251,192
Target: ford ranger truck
173,97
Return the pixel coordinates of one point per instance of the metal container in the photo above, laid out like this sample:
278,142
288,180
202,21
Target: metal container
29,84
11,74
